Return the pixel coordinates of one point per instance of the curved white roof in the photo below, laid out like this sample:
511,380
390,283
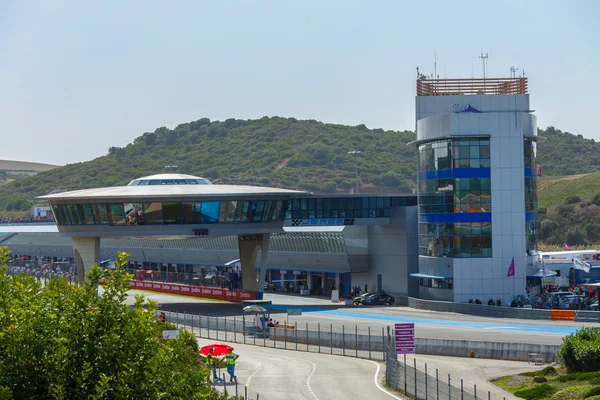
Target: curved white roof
169,179
166,192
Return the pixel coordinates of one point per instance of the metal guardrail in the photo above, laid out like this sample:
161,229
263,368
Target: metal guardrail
484,310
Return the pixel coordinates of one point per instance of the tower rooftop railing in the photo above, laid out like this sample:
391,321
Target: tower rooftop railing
456,87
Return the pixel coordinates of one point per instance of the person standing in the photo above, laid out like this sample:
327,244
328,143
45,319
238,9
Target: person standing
230,358
211,363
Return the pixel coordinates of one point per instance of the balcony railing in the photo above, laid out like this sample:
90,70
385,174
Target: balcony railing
454,87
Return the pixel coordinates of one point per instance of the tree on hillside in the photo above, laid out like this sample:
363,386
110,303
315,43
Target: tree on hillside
65,341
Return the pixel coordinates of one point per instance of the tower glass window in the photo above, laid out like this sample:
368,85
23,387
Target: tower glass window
531,200
455,198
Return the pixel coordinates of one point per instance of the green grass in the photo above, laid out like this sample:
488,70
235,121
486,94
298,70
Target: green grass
542,391
553,191
559,385
544,372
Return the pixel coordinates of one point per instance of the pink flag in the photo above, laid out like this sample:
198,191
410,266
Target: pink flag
511,269
567,247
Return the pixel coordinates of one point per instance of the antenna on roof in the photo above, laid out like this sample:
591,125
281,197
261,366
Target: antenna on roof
435,75
513,72
483,62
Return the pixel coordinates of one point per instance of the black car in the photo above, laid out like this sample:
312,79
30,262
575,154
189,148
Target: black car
379,299
358,299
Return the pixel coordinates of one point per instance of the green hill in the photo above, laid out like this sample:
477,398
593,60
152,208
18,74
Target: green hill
311,155
552,191
282,152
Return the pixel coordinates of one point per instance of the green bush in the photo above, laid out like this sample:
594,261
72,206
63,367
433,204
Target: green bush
538,392
65,341
543,372
581,376
595,391
580,352
572,199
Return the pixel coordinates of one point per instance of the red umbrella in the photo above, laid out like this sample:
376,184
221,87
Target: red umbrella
220,349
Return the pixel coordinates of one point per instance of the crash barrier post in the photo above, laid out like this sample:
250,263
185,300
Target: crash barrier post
307,337
343,340
319,338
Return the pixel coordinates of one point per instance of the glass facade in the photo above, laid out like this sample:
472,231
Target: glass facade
346,207
455,198
171,212
152,182
446,283
531,200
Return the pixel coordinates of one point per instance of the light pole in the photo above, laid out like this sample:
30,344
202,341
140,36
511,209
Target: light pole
356,153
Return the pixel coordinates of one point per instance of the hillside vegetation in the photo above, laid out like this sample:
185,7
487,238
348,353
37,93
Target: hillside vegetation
274,151
311,155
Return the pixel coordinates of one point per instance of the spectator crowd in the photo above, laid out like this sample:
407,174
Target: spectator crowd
551,297
26,220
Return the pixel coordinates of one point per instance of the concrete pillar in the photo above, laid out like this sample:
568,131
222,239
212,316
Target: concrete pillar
309,280
337,282
250,246
87,253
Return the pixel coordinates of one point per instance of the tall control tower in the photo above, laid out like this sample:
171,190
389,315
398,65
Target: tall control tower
477,192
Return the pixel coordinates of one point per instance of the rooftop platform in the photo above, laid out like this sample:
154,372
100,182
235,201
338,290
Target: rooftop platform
457,87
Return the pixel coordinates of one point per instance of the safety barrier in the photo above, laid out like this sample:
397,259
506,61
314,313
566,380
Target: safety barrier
196,291
562,315
483,310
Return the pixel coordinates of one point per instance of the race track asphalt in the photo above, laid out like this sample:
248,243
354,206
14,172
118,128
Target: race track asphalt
276,374
327,316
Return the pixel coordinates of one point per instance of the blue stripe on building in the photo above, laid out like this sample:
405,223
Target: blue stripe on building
530,216
454,173
530,172
456,218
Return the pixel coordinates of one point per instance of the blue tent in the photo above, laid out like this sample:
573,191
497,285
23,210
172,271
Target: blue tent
469,109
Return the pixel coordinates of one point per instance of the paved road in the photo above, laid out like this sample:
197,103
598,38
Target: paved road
277,373
285,374
428,324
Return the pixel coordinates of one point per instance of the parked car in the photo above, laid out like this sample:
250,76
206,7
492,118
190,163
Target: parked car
379,299
358,299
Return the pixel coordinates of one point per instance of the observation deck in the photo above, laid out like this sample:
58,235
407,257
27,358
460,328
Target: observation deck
457,87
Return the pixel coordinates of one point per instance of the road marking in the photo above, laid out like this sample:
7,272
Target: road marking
309,375
260,366
376,380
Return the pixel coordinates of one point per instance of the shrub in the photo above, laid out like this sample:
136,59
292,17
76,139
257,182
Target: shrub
572,199
539,392
543,372
580,352
595,391
81,345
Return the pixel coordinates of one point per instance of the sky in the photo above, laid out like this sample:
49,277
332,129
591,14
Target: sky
78,77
